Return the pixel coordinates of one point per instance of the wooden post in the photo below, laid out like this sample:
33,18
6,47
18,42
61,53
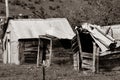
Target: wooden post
94,55
97,59
21,52
80,51
7,9
75,61
38,54
8,47
50,56
95,68
43,71
112,33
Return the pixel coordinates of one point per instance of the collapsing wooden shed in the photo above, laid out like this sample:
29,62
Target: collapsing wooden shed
92,46
21,37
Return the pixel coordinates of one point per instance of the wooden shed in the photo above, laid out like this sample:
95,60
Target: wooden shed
93,47
21,37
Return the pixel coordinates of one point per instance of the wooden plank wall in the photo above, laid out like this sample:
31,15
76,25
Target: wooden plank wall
27,51
93,61
84,60
76,47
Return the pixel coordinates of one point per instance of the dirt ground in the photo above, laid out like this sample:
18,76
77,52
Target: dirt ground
55,72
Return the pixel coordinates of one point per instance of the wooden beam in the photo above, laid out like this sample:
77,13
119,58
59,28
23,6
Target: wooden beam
38,54
85,66
94,55
95,58
74,44
44,37
50,56
7,9
80,51
87,55
43,72
76,61
75,49
87,62
21,52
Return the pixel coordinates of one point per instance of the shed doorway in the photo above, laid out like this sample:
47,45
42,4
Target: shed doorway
44,51
37,50
28,49
86,42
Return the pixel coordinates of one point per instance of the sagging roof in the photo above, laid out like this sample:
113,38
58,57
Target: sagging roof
103,40
113,30
32,28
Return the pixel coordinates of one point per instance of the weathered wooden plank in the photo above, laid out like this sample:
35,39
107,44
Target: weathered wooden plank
87,55
44,37
30,59
38,54
74,39
110,57
87,66
76,60
74,44
21,52
80,49
110,53
97,59
94,57
30,51
87,62
50,56
76,49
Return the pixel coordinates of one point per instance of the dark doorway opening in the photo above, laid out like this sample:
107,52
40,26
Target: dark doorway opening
28,49
86,42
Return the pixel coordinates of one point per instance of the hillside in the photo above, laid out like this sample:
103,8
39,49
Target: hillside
102,12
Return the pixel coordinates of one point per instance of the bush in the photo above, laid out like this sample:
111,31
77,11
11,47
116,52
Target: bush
30,0
31,6
38,2
2,12
51,8
1,1
16,2
23,4
51,0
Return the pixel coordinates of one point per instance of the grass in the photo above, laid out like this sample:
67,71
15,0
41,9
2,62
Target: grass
55,72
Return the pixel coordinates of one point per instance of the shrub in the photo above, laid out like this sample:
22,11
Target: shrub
51,0
31,6
2,12
51,8
30,0
23,4
0,0
16,2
